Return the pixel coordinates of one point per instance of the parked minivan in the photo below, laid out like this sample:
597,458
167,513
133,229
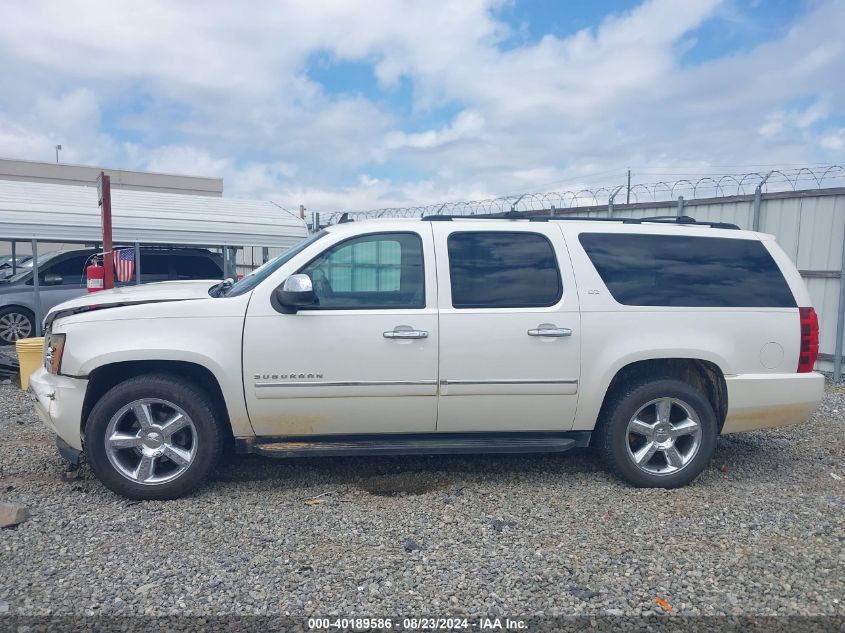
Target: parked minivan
62,277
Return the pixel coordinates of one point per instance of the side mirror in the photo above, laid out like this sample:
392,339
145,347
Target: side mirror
52,280
297,291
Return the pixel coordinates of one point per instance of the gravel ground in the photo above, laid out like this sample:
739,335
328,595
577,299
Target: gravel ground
760,532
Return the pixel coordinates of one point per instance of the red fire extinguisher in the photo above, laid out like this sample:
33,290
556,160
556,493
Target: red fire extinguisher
95,274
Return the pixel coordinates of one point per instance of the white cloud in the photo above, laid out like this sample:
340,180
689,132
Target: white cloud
796,119
190,161
834,140
221,88
16,140
467,126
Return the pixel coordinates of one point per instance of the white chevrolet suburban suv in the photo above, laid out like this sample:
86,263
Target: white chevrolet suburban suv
644,339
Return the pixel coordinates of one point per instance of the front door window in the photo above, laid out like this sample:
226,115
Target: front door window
383,270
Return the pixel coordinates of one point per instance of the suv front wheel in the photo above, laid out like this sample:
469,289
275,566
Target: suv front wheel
658,434
153,437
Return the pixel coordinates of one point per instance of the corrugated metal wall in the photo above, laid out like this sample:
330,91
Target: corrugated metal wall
69,213
251,257
809,226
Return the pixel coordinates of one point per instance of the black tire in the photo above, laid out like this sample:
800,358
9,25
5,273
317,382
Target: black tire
613,438
192,400
16,319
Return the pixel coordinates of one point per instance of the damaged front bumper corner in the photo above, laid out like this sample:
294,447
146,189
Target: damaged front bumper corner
58,401
70,454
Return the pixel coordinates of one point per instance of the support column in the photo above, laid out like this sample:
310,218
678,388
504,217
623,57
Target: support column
840,320
36,288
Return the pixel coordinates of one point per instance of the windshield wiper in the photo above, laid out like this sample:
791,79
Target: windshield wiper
220,289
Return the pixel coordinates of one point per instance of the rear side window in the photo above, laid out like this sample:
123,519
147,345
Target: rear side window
503,270
154,265
679,270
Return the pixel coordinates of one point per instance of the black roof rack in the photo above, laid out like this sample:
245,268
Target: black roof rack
520,215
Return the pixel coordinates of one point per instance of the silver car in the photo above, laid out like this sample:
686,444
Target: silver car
62,276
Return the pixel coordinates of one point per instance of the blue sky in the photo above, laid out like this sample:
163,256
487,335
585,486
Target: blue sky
734,26
327,104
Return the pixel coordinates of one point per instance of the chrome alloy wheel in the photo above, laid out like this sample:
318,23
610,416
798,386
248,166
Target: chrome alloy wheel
151,441
663,436
14,326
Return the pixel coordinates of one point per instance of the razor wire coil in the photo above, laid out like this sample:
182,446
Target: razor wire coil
705,186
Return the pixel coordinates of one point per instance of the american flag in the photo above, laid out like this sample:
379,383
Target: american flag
124,264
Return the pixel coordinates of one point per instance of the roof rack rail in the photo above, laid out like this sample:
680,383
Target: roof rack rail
521,215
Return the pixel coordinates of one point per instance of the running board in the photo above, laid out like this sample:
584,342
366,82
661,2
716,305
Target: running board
427,444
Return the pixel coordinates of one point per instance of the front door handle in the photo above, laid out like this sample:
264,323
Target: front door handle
550,330
405,334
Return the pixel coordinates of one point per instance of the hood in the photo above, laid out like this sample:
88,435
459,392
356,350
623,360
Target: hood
133,295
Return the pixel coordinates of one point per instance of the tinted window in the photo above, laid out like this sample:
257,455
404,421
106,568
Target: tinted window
196,267
372,271
71,269
502,270
154,265
670,270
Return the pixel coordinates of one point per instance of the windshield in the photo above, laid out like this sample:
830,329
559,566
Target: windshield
265,270
43,258
26,267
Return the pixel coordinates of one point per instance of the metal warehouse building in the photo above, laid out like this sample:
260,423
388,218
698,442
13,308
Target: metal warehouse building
86,175
70,214
43,216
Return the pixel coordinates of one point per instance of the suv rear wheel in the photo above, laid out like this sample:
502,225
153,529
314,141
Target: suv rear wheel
153,437
658,434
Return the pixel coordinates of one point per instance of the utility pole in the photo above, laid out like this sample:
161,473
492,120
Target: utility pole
104,195
758,199
58,147
610,201
628,195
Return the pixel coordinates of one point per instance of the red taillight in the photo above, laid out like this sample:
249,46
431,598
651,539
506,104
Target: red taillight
809,340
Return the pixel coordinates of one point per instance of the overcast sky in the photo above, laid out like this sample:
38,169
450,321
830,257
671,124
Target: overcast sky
344,105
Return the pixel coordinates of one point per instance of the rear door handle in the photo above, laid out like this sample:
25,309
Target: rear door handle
405,334
550,331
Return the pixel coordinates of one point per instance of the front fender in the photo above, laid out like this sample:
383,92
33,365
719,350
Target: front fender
213,343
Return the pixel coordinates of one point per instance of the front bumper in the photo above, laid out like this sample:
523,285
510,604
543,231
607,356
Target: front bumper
68,453
762,401
58,401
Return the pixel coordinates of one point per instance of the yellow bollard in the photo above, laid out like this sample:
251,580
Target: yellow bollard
30,354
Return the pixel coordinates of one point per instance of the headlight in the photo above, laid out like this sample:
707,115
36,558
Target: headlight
54,345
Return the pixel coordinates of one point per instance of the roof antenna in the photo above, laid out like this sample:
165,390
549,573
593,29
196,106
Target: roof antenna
344,218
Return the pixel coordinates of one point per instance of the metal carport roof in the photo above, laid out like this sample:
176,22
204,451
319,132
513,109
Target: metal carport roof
69,213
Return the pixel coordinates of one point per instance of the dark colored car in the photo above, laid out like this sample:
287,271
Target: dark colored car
62,276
